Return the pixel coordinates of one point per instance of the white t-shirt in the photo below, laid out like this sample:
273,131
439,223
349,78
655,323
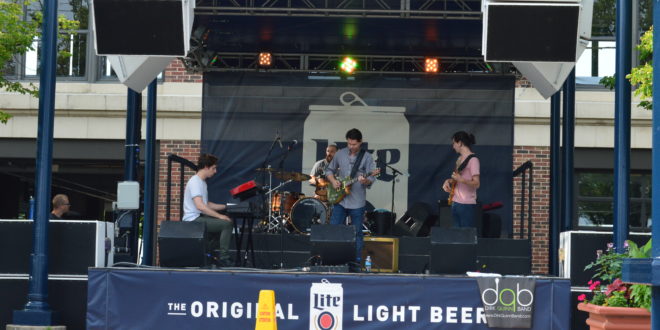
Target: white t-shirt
195,187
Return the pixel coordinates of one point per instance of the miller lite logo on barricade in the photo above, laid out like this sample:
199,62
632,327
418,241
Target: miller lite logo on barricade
508,302
326,302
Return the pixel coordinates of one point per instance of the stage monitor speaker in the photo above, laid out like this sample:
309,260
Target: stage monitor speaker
453,250
142,27
335,244
504,256
182,243
384,252
531,32
73,246
382,222
415,222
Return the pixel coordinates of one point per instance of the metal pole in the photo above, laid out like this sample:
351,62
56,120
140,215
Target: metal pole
555,182
149,177
655,164
622,123
569,146
132,152
37,310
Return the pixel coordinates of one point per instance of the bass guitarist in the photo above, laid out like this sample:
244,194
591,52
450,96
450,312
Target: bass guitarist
352,162
464,182
318,173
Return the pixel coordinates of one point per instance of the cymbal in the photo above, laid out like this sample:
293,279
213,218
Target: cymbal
294,176
266,169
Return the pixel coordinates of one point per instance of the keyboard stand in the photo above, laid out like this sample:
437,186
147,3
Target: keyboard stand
249,247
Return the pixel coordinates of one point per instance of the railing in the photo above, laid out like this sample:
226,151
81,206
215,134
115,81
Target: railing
522,170
184,163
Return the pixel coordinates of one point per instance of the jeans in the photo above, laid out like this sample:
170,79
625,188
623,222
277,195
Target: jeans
215,225
357,217
463,214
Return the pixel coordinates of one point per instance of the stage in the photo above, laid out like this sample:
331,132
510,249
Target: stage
159,298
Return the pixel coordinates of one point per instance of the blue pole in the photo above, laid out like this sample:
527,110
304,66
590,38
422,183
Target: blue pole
569,146
37,310
555,183
149,177
655,165
622,122
133,115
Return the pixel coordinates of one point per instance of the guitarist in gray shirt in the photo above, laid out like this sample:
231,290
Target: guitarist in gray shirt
339,172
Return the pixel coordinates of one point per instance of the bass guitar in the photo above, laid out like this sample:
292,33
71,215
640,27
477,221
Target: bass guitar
337,195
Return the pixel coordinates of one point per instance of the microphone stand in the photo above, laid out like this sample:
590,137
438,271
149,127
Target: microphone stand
288,149
270,177
395,172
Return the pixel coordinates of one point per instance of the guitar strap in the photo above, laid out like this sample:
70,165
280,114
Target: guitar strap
356,165
465,163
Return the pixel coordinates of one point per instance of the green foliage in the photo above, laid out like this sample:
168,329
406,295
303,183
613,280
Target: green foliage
614,292
16,37
617,299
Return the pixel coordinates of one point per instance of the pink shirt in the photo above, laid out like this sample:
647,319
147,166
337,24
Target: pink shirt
463,193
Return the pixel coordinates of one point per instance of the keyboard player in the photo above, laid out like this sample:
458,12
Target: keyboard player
197,207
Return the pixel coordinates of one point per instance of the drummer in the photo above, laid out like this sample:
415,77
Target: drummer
318,173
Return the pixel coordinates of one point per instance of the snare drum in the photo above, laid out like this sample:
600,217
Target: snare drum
307,212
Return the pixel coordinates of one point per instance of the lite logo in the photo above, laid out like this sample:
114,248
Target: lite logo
507,299
326,306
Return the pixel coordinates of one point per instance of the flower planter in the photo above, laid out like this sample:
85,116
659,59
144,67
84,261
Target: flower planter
614,318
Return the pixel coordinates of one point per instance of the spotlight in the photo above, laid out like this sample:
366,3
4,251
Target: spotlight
431,65
265,59
348,65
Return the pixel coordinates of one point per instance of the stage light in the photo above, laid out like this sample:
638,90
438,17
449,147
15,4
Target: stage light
431,65
265,59
348,65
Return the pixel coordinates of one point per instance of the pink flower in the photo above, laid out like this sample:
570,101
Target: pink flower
625,244
582,297
590,281
610,246
594,285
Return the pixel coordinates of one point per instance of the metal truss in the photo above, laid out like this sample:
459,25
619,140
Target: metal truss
414,9
329,63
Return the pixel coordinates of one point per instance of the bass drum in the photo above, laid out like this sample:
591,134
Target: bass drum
307,212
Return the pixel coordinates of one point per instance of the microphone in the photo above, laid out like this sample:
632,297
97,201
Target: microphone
278,138
293,143
280,142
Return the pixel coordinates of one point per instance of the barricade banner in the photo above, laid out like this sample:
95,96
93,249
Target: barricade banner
508,301
189,299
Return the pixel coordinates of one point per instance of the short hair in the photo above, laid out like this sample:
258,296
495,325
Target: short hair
206,160
354,134
60,200
333,146
466,138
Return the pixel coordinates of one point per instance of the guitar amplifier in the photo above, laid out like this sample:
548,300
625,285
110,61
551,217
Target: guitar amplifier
384,252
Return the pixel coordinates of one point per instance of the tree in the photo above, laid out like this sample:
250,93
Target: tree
642,75
17,33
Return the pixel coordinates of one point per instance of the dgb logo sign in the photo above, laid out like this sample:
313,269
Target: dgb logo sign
508,302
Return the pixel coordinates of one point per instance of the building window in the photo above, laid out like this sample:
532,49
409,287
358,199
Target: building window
594,199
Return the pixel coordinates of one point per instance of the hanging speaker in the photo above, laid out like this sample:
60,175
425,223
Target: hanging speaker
142,27
531,32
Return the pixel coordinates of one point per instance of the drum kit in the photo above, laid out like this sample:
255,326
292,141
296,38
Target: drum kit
291,211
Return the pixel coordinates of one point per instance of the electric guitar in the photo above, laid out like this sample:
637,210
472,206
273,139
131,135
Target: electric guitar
451,193
336,195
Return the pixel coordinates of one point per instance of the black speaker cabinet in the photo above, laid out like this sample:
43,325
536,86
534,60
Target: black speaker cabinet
335,244
531,32
579,248
415,222
182,243
504,256
67,296
73,246
453,250
140,27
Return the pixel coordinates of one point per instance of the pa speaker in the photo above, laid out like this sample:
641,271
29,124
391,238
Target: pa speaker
335,244
136,72
415,222
531,32
142,27
453,250
182,243
504,256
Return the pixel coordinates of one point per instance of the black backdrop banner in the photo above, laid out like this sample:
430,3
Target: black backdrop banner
406,121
